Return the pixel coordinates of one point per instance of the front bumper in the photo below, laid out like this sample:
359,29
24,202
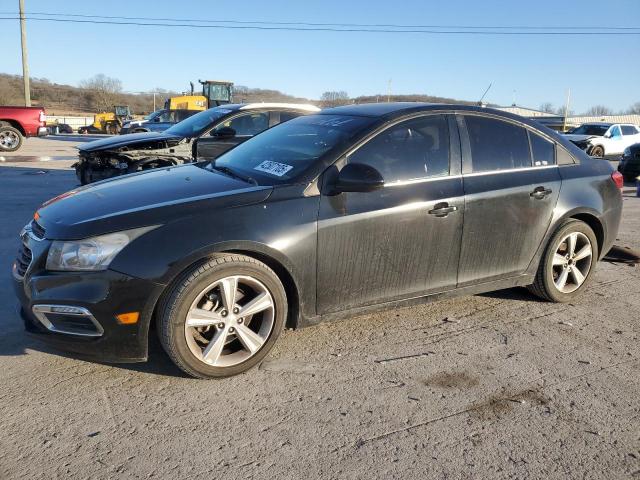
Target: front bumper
103,295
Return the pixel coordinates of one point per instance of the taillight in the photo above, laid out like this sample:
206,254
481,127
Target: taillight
43,117
617,179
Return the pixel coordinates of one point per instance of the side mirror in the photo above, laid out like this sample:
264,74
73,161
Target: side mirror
358,177
223,133
608,135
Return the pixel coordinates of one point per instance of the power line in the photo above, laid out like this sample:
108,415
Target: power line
314,24
331,29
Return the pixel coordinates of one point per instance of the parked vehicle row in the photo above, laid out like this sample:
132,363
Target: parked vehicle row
203,136
16,123
326,215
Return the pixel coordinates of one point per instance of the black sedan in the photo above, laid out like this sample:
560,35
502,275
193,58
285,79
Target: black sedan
205,135
629,165
325,216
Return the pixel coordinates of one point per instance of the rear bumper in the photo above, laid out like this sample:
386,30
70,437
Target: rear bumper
102,296
43,131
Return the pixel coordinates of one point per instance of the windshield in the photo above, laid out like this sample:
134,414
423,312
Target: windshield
195,125
598,130
284,152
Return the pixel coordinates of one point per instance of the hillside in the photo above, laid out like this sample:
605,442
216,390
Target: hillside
60,99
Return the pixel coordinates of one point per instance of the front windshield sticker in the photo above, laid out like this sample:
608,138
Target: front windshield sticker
273,168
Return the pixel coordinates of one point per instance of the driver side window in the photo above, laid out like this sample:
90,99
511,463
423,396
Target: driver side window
413,149
249,124
615,132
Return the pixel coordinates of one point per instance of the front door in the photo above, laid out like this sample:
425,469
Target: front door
509,199
400,241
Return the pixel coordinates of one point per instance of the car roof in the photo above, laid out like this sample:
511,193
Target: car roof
305,107
398,109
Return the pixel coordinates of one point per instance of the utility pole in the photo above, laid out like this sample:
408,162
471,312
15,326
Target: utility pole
154,101
25,62
566,111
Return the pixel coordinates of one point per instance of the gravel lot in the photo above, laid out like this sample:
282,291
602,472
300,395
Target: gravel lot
490,386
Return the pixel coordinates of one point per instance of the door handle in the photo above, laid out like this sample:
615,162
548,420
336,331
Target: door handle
442,209
540,192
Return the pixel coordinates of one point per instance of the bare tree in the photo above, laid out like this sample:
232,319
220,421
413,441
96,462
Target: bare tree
334,98
599,110
634,109
104,91
547,107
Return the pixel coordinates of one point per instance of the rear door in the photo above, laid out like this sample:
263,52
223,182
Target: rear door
630,135
400,241
509,198
246,125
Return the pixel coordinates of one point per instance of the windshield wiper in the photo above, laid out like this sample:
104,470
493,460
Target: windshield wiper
234,174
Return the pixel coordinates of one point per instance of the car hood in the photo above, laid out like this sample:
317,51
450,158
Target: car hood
143,199
578,138
131,139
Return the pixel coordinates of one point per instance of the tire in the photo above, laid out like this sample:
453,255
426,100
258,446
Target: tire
199,294
597,151
549,276
10,139
85,175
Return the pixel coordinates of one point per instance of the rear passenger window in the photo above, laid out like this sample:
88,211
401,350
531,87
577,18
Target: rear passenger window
629,130
412,149
544,152
497,145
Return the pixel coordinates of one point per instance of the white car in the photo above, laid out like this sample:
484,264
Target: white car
604,139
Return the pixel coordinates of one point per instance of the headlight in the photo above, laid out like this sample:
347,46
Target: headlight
90,254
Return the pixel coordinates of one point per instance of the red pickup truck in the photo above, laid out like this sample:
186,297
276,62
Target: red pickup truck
16,123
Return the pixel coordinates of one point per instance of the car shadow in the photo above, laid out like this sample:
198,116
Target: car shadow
158,362
516,293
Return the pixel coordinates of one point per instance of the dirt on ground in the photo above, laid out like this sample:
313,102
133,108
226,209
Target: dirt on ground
500,385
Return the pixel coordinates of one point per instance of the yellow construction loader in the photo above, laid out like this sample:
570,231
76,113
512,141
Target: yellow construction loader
108,122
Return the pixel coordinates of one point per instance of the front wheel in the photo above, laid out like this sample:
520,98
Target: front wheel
223,316
568,263
597,151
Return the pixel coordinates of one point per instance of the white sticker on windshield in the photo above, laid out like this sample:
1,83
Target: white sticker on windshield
274,168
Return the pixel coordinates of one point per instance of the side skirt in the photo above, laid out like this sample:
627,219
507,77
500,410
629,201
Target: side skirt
519,281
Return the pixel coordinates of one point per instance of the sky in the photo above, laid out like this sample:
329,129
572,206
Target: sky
530,69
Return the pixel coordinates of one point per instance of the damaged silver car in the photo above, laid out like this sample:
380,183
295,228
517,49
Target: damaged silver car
204,136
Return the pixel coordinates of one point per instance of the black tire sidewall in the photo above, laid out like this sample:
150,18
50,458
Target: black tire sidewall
549,285
178,303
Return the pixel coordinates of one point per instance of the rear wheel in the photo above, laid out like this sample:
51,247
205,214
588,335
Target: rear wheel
223,316
10,138
568,263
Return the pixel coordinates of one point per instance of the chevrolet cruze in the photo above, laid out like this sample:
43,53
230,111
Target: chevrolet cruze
328,215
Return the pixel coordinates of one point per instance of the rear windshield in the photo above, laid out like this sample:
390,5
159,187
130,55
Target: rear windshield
194,126
285,151
598,130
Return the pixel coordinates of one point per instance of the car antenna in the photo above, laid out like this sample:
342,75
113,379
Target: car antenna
483,95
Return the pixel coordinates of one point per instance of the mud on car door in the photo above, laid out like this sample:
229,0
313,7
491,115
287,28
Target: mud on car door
509,198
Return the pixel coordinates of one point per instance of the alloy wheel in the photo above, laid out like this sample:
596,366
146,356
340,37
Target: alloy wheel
572,262
229,321
9,139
